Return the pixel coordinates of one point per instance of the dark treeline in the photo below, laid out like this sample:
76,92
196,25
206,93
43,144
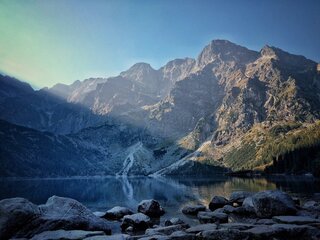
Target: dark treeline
297,161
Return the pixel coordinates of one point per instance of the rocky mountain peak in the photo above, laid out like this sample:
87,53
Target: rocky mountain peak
224,50
139,72
178,69
298,62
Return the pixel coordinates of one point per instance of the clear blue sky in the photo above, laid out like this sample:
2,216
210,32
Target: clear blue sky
50,41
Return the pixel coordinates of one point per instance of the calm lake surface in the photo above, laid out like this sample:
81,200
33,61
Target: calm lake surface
103,193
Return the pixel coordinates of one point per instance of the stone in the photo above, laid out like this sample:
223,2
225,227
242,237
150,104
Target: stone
272,203
164,230
21,218
173,221
311,205
150,208
14,214
137,221
283,231
239,196
237,226
99,214
63,234
193,209
248,206
181,235
299,220
217,202
212,217
264,221
229,209
116,213
112,237
155,237
222,234
201,228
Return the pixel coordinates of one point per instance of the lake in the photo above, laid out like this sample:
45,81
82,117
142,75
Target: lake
103,193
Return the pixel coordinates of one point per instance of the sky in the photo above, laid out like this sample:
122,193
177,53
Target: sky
45,42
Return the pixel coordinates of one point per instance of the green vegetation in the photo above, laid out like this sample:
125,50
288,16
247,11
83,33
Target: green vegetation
283,148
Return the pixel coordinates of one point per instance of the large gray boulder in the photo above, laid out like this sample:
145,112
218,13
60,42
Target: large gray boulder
201,228
21,218
299,220
239,196
151,208
138,221
270,203
212,217
193,209
15,213
71,214
116,213
174,221
164,230
218,202
223,234
67,235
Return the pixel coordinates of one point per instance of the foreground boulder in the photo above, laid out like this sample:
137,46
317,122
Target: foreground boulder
117,213
271,203
21,218
14,214
174,221
151,208
165,230
138,222
217,202
212,217
63,234
299,220
239,196
193,209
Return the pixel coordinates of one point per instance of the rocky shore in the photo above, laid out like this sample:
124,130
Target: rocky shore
244,216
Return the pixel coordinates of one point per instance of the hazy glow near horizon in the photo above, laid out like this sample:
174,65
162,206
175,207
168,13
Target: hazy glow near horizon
46,42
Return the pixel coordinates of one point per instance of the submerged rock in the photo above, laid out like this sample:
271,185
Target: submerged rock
218,202
193,209
116,213
151,208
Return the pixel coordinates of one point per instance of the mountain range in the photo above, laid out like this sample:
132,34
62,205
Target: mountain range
231,108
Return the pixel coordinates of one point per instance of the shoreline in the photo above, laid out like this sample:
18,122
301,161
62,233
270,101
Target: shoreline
243,215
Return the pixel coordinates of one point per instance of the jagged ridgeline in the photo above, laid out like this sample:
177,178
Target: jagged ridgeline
231,108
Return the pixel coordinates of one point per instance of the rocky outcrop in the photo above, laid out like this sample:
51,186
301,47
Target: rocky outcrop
137,221
218,202
116,213
272,203
21,218
193,209
63,218
151,208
